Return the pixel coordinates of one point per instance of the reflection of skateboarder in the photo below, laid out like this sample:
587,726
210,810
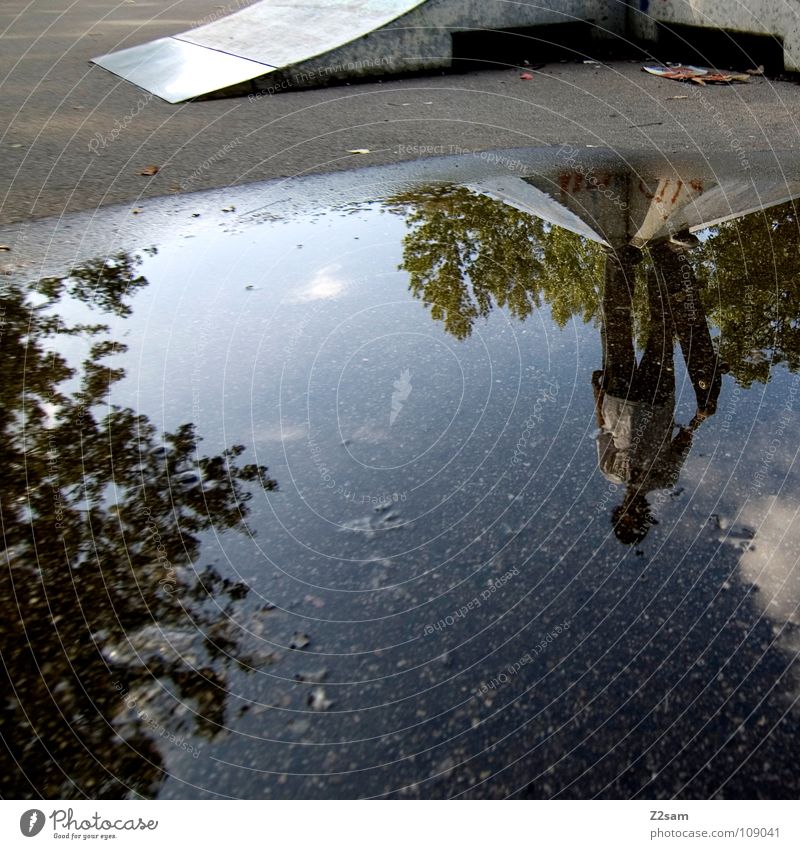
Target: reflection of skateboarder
635,401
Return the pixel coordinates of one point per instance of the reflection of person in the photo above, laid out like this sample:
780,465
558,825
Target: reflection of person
635,401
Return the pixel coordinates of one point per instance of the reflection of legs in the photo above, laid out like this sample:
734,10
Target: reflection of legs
619,359
691,325
698,353
622,378
655,376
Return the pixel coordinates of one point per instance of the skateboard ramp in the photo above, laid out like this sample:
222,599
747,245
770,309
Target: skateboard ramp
315,41
248,44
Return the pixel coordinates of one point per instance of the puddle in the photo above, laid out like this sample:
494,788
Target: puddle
480,486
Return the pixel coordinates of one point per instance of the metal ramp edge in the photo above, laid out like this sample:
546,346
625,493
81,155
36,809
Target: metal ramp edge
248,44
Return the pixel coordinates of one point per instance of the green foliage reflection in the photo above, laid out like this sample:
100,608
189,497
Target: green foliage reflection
102,520
467,254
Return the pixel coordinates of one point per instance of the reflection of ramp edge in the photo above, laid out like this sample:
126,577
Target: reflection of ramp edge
642,219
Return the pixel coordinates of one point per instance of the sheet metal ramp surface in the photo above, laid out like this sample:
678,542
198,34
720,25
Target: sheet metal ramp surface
331,39
248,44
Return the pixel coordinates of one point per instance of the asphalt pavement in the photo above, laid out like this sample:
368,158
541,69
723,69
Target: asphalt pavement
75,137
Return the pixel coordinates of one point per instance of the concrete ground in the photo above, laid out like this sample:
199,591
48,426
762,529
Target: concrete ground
75,137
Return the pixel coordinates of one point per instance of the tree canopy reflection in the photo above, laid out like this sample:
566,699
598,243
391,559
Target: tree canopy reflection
102,520
467,253
752,293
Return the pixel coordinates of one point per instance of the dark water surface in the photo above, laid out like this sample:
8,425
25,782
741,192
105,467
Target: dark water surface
484,489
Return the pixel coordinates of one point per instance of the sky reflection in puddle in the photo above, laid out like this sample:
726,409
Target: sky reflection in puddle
528,524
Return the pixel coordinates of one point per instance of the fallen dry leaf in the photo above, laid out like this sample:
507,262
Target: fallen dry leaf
149,171
694,73
360,150
725,77
4,248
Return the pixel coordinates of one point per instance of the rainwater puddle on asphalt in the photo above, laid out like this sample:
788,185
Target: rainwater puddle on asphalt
484,487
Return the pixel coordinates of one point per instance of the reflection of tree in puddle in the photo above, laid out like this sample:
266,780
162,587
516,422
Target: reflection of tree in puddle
113,645
467,253
752,271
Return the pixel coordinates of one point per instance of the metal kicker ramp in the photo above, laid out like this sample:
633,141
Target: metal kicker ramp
307,42
300,43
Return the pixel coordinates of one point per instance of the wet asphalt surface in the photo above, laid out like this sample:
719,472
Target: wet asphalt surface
423,596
